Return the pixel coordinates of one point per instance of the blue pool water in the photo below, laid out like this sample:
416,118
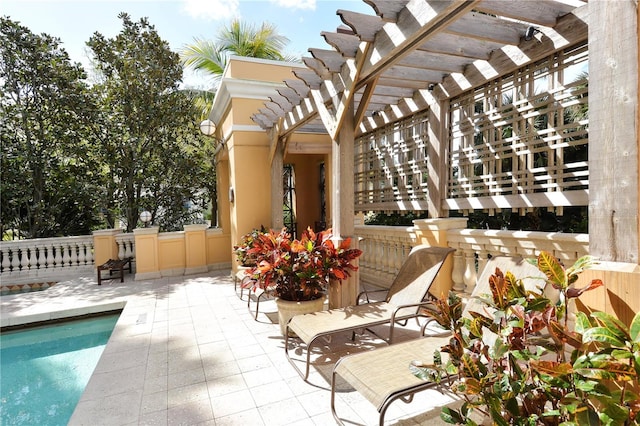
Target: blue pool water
44,370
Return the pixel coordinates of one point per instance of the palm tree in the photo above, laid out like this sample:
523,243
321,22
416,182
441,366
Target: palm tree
246,40
239,39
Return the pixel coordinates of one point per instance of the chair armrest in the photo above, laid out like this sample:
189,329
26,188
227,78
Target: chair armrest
424,305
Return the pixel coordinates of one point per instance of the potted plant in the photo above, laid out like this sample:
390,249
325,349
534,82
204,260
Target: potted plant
297,271
518,362
242,250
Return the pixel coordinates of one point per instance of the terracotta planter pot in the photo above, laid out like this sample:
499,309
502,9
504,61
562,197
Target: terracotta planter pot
288,309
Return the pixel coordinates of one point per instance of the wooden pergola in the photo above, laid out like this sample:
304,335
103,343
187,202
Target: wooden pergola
416,56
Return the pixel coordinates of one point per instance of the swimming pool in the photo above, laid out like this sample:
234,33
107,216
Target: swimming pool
45,369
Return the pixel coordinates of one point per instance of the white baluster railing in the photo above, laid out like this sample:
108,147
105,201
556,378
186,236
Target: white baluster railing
384,249
126,245
45,258
474,246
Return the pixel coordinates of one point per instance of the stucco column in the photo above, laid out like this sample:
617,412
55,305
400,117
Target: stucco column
147,261
433,232
277,191
104,245
195,240
222,189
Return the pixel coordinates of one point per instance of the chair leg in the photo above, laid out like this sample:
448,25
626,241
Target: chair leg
255,317
304,375
333,399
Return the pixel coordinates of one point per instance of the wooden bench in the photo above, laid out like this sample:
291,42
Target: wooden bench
114,265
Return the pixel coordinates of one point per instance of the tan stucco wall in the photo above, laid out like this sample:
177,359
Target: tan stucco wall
104,245
171,254
250,177
250,69
618,296
218,251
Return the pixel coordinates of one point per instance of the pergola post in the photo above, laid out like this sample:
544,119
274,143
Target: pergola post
613,130
437,152
342,204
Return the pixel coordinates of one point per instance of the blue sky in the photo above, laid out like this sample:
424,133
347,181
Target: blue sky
179,21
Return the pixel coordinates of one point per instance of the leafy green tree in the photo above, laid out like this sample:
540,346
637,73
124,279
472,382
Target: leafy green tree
150,146
47,170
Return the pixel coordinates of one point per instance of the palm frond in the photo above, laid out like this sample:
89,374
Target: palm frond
204,55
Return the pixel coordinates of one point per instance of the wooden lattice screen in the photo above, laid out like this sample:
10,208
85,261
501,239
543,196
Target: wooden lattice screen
521,140
391,167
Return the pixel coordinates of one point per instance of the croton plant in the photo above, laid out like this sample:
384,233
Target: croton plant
299,269
536,370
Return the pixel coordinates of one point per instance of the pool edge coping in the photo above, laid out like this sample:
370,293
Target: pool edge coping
19,320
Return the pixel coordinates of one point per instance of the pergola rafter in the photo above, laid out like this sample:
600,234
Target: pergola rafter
413,45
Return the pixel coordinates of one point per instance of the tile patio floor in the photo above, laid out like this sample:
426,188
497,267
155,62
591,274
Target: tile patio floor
186,351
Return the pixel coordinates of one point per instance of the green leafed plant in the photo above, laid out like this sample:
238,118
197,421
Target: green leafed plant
517,362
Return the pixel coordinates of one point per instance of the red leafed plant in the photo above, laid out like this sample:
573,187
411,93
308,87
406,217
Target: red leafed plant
298,270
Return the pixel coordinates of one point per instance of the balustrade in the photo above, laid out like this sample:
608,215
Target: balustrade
385,248
474,246
126,245
45,256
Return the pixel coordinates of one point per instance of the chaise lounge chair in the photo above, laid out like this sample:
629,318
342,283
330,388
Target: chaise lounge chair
405,297
382,375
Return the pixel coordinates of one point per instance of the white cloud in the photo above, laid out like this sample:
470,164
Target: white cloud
213,10
296,4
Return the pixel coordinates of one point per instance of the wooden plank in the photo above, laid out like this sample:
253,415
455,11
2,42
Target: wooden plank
439,62
273,140
331,59
294,147
398,92
618,296
277,190
310,78
414,205
462,47
488,28
316,66
550,199
299,86
278,111
347,44
437,148
292,96
364,26
570,30
364,102
539,12
269,114
417,22
613,117
387,10
349,76
282,102
407,84
328,119
425,76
